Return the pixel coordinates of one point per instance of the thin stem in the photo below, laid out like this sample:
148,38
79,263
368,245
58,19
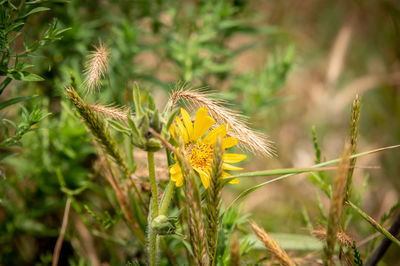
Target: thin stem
385,244
374,223
154,210
111,89
291,173
153,184
129,155
153,247
57,248
315,167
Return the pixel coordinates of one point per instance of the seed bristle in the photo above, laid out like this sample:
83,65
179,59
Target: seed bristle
272,245
249,139
96,67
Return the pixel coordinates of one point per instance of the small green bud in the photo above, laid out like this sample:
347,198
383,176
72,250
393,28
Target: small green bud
155,121
153,145
164,225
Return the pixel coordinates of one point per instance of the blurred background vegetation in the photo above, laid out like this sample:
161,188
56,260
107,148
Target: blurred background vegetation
287,65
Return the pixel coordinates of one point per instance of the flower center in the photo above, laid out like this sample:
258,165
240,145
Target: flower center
200,155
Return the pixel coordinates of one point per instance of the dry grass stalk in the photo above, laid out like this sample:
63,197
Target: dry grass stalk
194,215
343,238
337,199
97,127
86,239
338,53
57,248
353,135
235,251
254,141
117,113
96,67
213,202
272,245
98,130
112,180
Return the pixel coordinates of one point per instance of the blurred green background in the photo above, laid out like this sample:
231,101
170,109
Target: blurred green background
286,65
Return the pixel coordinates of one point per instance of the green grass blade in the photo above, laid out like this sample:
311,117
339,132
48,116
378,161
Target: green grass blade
374,224
291,171
15,100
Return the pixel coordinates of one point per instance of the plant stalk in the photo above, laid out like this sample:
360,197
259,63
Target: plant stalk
154,211
374,223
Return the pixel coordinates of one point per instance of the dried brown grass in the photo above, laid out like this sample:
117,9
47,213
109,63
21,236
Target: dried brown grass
256,142
115,112
336,206
343,238
272,245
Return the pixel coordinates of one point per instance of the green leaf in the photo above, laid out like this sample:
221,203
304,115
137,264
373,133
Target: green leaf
291,242
117,126
15,100
36,10
291,172
31,77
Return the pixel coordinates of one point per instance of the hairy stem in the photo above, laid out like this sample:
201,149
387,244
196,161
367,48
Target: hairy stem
152,236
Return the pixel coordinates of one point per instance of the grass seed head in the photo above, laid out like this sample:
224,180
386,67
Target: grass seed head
272,245
249,139
96,67
336,206
342,237
115,112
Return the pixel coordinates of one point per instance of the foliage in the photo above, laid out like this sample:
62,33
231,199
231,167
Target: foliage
53,148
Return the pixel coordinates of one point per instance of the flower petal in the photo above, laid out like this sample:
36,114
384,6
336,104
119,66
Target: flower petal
231,167
182,130
172,130
176,174
233,181
215,133
202,123
205,177
233,157
188,123
229,142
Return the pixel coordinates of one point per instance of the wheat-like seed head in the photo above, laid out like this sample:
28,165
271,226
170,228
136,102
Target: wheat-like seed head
342,236
248,138
96,67
118,113
272,245
336,206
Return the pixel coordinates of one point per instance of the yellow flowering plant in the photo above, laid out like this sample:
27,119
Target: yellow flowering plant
199,141
199,148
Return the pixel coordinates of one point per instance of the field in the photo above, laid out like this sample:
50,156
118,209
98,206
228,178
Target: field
199,132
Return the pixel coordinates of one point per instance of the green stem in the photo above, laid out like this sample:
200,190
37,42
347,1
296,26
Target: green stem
153,247
374,224
293,171
290,172
129,155
153,184
169,192
154,210
111,89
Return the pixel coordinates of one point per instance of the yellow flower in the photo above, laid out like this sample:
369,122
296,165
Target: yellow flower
199,146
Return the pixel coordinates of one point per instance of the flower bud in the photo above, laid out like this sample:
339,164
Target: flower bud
164,225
